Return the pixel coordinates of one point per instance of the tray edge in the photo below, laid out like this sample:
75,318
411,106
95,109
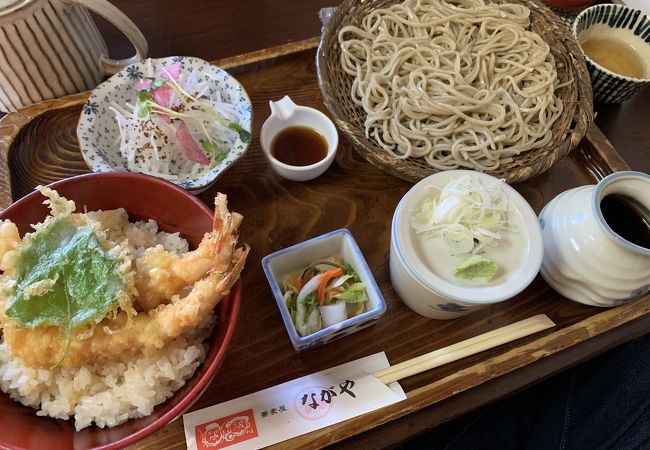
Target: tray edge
12,123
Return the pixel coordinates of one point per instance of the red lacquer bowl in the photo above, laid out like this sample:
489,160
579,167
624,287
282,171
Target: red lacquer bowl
174,209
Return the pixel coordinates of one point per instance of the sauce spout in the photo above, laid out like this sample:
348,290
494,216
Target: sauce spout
283,109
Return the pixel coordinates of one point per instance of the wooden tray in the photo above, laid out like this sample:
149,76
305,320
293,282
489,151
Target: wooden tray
38,145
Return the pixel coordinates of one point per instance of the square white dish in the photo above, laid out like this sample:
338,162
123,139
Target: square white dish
294,259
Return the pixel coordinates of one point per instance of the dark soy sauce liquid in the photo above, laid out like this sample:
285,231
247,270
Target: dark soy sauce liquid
299,146
628,218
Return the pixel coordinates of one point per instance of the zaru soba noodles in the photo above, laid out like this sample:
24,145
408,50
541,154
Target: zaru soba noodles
460,84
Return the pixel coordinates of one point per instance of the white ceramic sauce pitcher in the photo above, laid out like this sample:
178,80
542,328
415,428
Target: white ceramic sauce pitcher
584,258
284,114
51,48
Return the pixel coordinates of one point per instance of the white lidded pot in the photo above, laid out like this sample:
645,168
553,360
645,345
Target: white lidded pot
585,259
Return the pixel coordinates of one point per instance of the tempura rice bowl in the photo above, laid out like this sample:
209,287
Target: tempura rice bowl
141,196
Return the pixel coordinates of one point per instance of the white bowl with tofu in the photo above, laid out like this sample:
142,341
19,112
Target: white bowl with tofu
462,240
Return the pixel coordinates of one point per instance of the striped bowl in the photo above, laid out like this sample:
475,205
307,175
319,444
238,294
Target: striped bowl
623,23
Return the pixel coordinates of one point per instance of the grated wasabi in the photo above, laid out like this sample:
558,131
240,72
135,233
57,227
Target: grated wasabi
476,266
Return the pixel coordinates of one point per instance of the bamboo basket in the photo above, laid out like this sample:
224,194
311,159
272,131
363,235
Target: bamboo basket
567,131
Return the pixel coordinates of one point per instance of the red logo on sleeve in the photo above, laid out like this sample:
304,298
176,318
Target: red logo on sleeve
226,431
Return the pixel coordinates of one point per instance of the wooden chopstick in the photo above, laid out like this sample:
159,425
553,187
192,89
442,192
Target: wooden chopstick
464,348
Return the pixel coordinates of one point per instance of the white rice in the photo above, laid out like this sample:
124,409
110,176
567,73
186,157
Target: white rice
108,394
140,235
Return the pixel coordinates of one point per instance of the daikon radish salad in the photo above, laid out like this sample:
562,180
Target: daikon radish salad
325,293
175,129
178,118
468,231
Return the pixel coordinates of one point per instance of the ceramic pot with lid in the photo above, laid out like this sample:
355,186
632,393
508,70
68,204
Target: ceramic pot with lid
596,240
51,48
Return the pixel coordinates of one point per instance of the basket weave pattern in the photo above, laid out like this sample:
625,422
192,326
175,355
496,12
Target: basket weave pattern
567,131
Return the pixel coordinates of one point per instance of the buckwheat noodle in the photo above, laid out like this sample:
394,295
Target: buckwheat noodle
459,83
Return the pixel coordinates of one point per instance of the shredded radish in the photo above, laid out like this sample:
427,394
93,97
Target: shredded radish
468,213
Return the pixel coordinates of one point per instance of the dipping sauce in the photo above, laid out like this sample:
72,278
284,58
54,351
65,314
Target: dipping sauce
615,55
299,146
628,218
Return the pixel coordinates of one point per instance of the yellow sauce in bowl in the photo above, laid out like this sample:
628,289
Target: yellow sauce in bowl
615,55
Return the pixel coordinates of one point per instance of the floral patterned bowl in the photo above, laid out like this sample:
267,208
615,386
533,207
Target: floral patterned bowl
99,134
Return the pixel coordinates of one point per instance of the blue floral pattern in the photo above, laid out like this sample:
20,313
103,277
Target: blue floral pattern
451,307
90,107
134,72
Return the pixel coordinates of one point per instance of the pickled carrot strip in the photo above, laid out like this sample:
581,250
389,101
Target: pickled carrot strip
326,277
